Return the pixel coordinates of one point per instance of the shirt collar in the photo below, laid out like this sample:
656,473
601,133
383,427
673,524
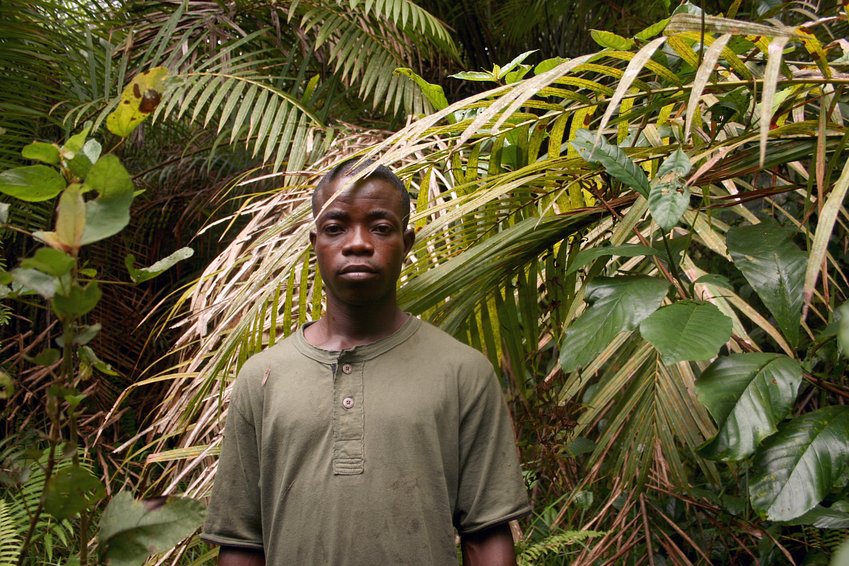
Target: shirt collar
357,353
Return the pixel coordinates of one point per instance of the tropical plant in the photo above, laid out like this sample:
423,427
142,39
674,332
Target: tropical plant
647,241
62,486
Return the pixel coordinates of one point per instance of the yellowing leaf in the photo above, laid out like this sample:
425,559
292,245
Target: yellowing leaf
140,97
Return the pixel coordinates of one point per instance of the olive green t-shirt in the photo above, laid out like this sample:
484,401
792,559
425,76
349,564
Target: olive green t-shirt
368,456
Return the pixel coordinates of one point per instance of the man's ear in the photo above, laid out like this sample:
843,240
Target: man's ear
312,237
409,240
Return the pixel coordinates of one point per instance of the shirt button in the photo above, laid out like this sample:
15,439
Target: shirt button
347,368
348,402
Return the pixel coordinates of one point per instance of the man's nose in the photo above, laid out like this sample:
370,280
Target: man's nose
359,241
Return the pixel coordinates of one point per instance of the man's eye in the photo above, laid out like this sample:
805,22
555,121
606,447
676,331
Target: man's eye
332,229
383,228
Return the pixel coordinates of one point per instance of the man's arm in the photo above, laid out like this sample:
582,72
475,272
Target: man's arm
490,547
233,556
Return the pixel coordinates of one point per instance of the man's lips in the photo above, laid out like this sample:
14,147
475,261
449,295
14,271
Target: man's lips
357,268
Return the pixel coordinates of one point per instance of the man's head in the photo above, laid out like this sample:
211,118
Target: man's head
361,237
349,169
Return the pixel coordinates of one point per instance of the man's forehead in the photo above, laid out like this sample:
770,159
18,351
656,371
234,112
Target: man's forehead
348,189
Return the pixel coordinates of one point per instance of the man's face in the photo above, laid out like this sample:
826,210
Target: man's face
359,240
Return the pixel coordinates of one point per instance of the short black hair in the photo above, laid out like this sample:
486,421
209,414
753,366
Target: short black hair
351,167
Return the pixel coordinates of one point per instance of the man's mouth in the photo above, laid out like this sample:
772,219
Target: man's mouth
357,268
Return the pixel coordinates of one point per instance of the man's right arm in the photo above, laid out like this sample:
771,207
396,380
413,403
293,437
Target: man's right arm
234,556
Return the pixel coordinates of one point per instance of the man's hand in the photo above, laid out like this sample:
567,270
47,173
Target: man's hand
489,547
232,556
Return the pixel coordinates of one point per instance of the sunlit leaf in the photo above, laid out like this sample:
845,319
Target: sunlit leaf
35,281
139,275
139,98
615,305
41,151
797,467
584,257
611,40
433,92
33,183
687,331
70,222
747,395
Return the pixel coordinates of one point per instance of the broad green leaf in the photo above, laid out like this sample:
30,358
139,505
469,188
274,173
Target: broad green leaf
433,92
668,202
7,385
91,150
687,331
139,98
775,268
79,165
611,40
129,533
841,554
652,30
41,151
670,196
49,261
509,67
139,275
70,222
548,64
477,76
71,490
86,334
842,314
676,166
614,160
834,517
616,305
75,143
33,183
47,357
109,213
35,281
90,359
77,301
584,257
798,466
747,395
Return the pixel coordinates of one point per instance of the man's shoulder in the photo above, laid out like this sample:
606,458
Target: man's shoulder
280,354
448,347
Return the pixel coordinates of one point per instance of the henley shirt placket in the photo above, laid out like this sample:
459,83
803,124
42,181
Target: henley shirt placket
348,416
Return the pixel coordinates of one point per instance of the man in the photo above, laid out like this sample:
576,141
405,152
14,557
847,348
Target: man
368,436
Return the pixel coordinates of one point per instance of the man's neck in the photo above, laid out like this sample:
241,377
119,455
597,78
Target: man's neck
344,326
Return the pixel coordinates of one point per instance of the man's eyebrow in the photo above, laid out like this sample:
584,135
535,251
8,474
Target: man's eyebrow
381,214
334,215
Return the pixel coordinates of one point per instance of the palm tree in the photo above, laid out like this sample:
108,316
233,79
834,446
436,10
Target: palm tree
649,158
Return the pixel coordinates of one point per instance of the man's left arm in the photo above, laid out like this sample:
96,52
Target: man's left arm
492,546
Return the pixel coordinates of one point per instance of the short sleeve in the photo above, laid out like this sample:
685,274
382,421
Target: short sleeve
234,512
490,487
